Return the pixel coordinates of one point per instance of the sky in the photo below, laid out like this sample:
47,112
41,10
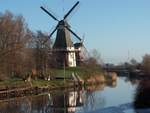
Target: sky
118,29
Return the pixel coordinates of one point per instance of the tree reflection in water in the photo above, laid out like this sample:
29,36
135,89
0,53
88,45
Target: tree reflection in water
56,102
36,104
63,101
92,100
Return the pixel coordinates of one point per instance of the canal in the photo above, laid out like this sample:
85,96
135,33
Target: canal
115,97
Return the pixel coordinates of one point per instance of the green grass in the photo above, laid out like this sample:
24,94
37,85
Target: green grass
42,83
83,72
13,83
16,83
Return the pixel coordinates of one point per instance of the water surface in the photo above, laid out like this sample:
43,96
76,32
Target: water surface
116,97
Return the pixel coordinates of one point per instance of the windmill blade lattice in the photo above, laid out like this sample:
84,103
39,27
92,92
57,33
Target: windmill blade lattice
62,23
71,10
53,31
73,33
49,13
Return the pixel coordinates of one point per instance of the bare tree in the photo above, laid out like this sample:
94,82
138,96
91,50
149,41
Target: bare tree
146,63
42,53
13,37
22,52
94,59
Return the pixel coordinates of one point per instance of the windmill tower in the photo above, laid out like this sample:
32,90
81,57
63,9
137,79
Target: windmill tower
64,50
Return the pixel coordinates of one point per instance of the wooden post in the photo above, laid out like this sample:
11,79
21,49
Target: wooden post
64,73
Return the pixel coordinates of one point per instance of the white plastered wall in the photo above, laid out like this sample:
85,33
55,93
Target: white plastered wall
71,57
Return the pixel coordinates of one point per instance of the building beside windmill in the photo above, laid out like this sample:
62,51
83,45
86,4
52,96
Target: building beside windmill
64,50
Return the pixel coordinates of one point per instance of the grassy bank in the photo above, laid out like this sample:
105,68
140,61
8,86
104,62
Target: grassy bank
94,78
82,72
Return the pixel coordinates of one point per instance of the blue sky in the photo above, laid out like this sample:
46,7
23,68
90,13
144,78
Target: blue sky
118,29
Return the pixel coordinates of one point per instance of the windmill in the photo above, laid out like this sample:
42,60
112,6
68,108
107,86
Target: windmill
64,49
